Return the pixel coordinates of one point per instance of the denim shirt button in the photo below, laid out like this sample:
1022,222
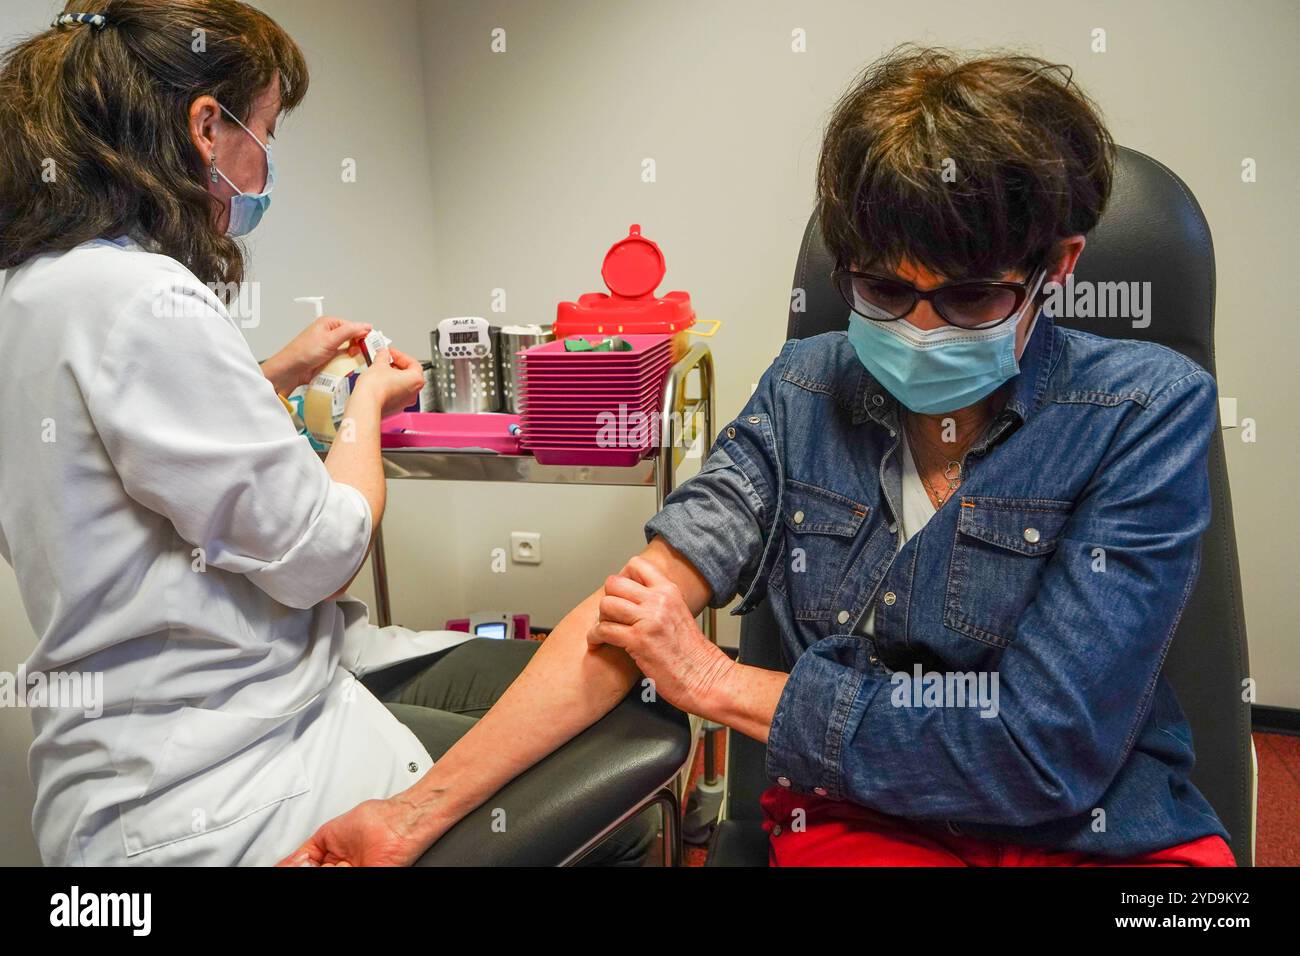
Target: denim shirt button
783,781
731,433
1032,535
842,617
890,598
798,517
893,527
877,400
754,419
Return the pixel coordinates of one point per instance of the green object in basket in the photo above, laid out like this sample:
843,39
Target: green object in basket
577,343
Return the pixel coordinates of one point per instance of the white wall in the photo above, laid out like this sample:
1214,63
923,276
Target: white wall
480,171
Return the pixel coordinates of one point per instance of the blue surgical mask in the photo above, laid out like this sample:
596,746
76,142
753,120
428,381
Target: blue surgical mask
943,369
246,209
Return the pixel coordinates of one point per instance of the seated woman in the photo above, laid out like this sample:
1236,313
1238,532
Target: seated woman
955,495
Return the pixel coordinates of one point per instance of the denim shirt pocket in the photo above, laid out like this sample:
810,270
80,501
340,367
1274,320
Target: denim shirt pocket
819,528
1001,547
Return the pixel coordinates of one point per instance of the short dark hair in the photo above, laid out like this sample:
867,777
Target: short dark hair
1032,163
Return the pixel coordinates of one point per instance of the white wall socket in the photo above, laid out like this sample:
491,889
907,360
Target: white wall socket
526,547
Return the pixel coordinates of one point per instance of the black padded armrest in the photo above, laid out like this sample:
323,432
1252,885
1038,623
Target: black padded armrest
571,796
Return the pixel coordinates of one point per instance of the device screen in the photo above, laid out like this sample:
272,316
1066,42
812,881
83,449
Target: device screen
458,337
495,629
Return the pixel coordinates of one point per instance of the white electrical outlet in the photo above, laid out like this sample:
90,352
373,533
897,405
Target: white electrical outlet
526,547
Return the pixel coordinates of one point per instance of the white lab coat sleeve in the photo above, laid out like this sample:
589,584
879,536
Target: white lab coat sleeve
197,434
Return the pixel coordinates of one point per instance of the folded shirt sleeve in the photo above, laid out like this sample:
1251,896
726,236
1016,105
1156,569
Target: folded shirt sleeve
197,434
721,519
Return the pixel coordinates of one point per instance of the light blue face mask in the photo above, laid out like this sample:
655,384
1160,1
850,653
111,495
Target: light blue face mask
246,209
943,369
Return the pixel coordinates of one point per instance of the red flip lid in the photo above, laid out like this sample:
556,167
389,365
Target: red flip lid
633,266
632,270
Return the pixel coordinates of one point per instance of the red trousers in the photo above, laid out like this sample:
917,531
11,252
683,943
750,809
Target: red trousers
834,833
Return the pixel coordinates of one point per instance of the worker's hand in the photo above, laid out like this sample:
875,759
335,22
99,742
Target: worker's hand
310,351
394,380
374,833
644,613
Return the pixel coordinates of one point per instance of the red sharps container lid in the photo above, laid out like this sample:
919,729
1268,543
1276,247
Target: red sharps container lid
633,269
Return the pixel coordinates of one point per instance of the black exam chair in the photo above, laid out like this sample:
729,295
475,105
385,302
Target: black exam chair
1152,231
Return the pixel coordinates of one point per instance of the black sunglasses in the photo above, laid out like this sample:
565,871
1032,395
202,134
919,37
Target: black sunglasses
967,304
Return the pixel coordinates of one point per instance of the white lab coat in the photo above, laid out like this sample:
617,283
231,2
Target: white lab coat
171,531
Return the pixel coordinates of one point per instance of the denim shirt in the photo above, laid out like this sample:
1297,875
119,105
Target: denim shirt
1055,574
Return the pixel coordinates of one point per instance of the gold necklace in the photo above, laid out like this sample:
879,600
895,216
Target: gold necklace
939,499
952,472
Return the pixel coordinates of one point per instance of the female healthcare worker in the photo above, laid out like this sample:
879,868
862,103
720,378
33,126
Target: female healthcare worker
171,532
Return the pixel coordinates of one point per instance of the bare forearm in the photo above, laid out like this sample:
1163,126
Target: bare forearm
354,457
566,687
745,700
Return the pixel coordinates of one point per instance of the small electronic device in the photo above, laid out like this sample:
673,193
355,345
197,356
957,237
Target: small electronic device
464,337
494,624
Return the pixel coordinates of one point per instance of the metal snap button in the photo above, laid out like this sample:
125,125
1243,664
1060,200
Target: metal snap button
873,659
890,598
731,433
798,517
783,781
820,791
842,617
1032,535
754,419
413,766
877,400
893,527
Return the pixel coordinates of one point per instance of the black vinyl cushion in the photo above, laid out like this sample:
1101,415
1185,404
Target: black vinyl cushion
571,796
1153,231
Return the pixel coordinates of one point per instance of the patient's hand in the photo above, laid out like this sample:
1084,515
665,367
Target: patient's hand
644,613
374,833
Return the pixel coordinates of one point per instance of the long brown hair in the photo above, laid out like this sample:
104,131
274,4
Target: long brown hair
1028,157
94,126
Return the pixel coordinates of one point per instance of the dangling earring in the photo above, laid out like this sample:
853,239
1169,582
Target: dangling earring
212,170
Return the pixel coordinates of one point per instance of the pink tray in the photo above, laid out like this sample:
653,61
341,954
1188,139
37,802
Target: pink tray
586,360
585,437
581,405
593,361
639,377
609,457
459,432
